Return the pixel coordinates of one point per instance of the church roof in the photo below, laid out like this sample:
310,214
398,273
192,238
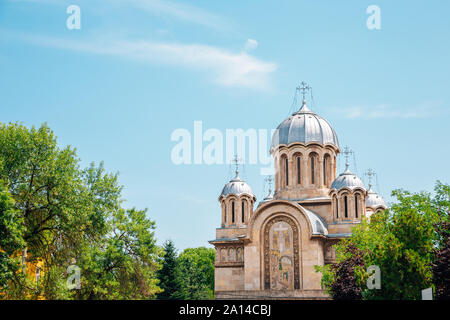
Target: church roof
304,126
347,179
374,200
237,187
319,226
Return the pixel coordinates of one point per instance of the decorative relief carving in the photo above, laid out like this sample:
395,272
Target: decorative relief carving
230,255
281,255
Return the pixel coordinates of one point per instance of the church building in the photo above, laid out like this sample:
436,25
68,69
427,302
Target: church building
268,250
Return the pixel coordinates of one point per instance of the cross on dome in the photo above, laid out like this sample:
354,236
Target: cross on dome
347,152
304,88
370,173
236,160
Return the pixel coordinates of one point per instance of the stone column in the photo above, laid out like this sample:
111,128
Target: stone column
320,163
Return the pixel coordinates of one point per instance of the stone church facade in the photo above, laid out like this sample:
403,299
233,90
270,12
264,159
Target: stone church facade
270,252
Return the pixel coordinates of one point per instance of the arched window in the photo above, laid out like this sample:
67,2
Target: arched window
232,212
356,205
336,207
345,207
312,170
225,212
299,172
284,176
243,211
287,171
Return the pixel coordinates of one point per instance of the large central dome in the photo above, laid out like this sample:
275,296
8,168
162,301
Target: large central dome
304,126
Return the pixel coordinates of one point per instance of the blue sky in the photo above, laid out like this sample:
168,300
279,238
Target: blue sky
137,70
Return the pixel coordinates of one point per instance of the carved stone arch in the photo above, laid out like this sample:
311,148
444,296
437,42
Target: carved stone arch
298,169
313,168
281,254
284,170
223,254
231,254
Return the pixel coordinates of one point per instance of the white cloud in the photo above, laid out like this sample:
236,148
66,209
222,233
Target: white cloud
180,11
250,45
226,68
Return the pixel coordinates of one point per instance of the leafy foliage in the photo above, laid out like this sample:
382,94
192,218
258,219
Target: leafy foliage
64,215
188,276
402,242
197,271
11,241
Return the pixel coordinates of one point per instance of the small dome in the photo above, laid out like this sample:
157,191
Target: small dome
347,179
304,126
237,186
374,200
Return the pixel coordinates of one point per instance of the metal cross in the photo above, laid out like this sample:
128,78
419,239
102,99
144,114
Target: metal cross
370,173
236,162
303,88
347,152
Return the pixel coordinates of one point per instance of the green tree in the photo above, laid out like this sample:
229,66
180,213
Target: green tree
169,275
197,273
11,240
401,242
71,214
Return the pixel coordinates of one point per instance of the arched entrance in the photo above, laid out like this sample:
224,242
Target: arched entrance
281,254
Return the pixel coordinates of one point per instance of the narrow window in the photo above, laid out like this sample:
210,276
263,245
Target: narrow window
232,212
356,205
225,213
312,170
345,205
325,171
243,211
299,177
337,211
287,171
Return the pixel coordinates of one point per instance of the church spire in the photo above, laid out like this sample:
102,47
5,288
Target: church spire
347,152
303,88
236,160
370,173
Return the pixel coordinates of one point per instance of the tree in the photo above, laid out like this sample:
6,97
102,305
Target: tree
346,285
11,240
197,273
402,243
169,275
441,264
69,214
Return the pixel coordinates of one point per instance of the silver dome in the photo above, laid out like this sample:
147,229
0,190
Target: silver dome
319,226
374,200
304,126
347,179
237,186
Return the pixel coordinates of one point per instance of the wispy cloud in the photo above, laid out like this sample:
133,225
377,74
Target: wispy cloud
173,9
224,67
424,110
178,10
